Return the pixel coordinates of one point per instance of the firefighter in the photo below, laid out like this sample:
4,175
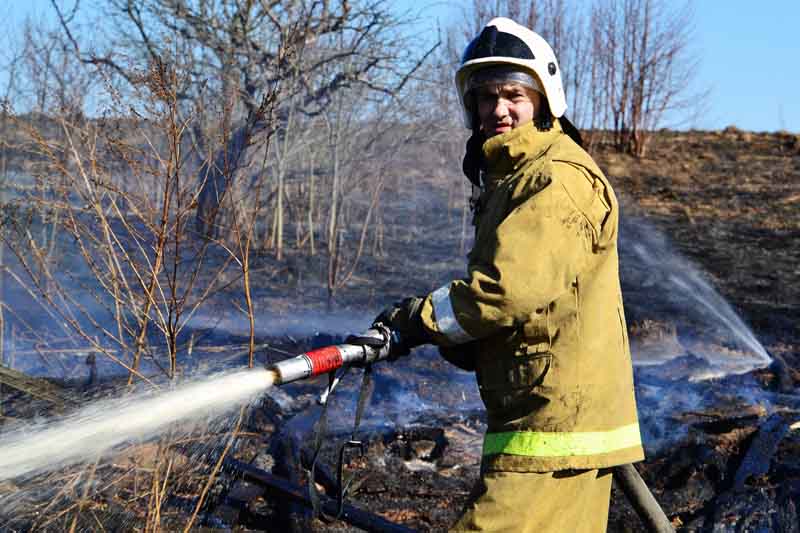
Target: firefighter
539,316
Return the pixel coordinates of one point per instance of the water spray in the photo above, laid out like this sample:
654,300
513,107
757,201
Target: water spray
99,428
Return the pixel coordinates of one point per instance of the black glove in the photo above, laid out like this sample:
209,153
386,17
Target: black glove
404,319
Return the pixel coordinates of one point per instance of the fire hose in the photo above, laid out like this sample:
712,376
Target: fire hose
374,345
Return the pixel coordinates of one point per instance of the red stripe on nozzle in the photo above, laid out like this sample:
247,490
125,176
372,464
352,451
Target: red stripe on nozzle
324,360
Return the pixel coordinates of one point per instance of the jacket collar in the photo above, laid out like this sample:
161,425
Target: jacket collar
506,152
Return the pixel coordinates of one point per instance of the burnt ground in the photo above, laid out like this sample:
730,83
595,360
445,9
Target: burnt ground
722,454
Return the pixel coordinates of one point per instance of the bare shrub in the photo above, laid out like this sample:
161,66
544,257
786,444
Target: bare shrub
646,66
125,202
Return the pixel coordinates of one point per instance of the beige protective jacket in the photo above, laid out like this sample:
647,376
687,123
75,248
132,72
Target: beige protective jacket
541,310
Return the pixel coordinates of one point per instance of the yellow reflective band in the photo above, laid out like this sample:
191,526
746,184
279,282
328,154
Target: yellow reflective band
557,444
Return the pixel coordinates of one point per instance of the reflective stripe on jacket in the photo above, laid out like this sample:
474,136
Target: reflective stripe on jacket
540,311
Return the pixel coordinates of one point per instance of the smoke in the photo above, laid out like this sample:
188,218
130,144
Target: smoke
658,285
297,323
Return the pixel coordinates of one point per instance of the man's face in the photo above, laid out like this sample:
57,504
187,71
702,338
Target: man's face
502,108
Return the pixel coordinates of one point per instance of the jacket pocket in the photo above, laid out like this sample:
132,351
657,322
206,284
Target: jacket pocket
537,333
513,380
529,370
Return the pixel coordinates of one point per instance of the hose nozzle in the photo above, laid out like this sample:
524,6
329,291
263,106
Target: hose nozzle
330,358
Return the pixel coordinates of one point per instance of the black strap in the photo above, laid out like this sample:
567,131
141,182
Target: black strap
320,429
363,397
570,129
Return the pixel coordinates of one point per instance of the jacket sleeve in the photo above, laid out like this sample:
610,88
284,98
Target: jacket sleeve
530,259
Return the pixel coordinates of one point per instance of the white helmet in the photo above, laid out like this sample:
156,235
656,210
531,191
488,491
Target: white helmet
504,42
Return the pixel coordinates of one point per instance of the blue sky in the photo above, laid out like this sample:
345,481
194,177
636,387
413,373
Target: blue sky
749,53
750,56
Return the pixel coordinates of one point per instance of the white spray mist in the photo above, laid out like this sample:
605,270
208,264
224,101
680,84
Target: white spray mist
101,426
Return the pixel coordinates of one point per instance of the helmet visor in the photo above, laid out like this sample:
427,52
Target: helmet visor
501,75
